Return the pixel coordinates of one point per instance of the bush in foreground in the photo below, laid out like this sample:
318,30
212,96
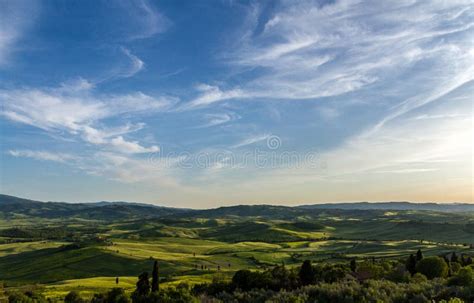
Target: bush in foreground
432,267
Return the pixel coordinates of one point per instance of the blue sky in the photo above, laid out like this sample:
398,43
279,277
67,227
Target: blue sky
207,103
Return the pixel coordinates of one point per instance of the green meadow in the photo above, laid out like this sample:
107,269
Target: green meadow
56,255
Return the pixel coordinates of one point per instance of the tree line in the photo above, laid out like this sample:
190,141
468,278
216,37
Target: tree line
448,278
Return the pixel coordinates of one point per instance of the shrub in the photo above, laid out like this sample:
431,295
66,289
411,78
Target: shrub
399,274
172,295
419,278
455,267
465,277
452,300
288,297
73,297
116,295
18,297
432,267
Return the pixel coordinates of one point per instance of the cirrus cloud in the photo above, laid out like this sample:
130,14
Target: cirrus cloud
76,109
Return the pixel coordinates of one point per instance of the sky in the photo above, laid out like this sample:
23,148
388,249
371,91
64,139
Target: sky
209,103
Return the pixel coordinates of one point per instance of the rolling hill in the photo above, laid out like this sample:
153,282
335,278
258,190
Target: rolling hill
10,206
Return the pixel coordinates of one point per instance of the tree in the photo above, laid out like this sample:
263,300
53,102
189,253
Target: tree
73,297
155,282
465,261
98,298
116,295
411,264
445,258
454,257
419,278
462,260
465,277
454,267
140,295
353,265
172,295
368,270
27,297
399,274
306,273
282,278
419,255
143,284
432,267
244,279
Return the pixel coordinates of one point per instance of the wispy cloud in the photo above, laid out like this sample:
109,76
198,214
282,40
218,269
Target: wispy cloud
312,51
132,147
308,51
78,110
251,140
136,64
219,118
149,20
43,155
409,146
16,18
126,169
113,166
440,116
209,94
457,81
407,171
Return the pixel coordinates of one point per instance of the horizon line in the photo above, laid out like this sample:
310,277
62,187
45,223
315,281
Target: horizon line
235,205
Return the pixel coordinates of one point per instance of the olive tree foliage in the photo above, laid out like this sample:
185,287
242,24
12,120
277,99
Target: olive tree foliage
432,267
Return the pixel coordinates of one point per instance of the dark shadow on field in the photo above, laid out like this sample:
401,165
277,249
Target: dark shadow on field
64,263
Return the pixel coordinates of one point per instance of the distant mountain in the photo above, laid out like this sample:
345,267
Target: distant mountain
443,207
265,211
10,206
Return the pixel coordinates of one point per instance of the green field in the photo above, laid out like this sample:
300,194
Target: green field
58,255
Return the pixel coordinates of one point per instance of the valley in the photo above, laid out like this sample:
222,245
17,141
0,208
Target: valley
55,249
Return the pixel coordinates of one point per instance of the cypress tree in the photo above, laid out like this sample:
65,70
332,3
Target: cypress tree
155,284
468,261
445,258
411,264
306,273
454,257
419,255
143,285
353,265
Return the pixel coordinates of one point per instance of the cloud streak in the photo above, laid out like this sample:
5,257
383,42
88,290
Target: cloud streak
310,51
136,64
251,140
209,94
16,17
220,118
76,109
149,21
43,155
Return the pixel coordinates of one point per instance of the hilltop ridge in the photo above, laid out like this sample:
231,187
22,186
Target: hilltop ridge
11,205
